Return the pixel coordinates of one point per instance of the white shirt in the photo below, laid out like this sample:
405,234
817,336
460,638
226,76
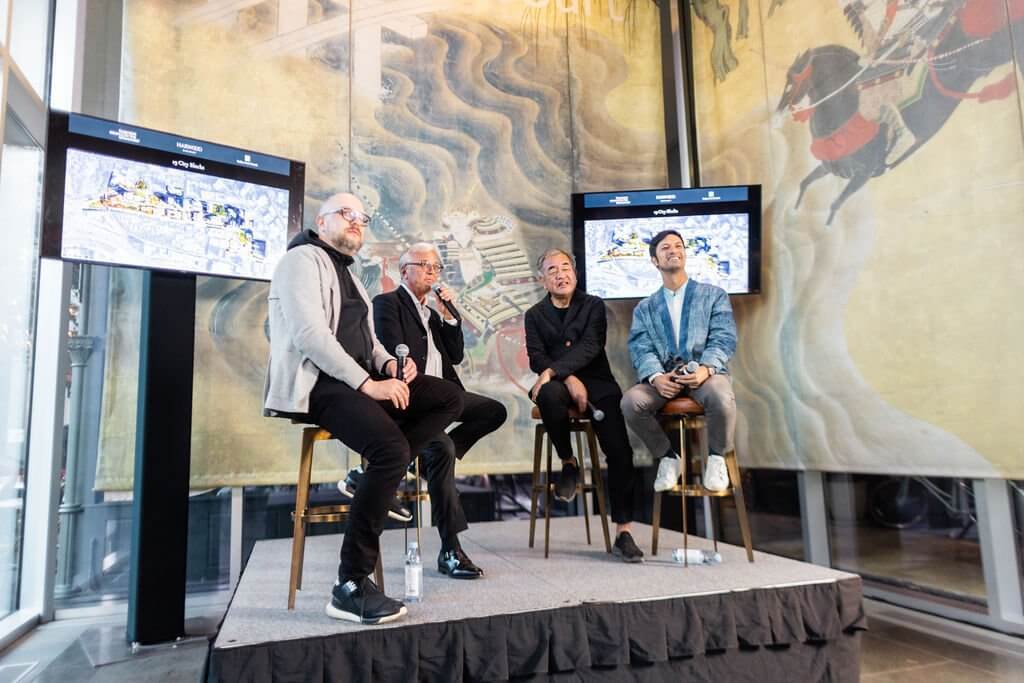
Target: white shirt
674,301
434,367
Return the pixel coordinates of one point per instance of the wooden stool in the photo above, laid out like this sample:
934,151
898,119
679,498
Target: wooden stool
304,514
689,416
578,424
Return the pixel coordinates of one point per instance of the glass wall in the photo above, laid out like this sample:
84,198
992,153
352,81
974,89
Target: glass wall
1017,500
20,187
915,534
773,509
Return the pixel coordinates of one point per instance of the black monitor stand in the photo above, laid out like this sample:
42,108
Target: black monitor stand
156,598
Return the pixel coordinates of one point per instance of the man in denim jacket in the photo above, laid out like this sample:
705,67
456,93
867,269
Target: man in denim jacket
680,341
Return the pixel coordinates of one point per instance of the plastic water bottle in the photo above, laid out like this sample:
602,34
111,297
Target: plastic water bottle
696,556
413,573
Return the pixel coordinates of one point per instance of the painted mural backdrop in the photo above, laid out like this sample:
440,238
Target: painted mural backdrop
464,123
889,139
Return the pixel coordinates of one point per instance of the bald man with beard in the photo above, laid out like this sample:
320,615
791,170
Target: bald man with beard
328,368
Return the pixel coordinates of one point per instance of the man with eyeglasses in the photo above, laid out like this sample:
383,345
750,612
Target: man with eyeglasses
328,368
435,343
566,332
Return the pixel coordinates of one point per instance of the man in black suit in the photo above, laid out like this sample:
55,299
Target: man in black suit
436,345
565,339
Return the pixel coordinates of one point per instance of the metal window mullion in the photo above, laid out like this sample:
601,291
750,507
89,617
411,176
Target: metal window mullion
814,517
999,560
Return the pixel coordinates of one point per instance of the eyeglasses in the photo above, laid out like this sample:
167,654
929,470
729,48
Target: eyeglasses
427,265
351,215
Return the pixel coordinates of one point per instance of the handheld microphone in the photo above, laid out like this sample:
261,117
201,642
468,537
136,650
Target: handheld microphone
687,369
596,412
401,353
447,304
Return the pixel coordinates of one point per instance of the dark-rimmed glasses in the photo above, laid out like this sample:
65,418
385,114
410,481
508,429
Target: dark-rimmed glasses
351,215
427,265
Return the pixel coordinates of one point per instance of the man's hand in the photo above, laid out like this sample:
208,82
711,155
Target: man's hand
694,380
444,294
544,378
387,390
391,367
666,386
578,392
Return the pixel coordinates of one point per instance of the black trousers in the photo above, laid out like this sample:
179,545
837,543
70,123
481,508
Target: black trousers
553,401
479,417
385,437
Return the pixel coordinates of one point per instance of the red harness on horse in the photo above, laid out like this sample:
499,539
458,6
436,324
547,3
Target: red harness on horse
850,137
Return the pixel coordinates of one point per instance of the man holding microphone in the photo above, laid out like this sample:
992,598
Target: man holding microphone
565,339
328,368
434,338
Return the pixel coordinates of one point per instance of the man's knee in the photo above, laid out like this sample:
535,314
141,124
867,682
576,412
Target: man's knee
719,397
552,395
442,447
389,453
499,413
636,402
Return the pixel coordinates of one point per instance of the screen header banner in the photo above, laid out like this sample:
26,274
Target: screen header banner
143,137
654,197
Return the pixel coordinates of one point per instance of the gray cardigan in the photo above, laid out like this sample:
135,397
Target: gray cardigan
304,308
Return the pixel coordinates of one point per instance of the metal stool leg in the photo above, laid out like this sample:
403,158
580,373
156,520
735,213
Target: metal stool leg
547,504
538,440
741,507
299,521
419,506
581,487
595,480
655,522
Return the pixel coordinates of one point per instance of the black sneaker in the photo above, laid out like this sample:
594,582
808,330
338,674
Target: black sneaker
350,483
363,603
565,489
625,548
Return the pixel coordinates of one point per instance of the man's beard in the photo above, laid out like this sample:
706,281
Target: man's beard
347,244
670,267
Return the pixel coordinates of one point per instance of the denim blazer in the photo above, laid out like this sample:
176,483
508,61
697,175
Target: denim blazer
707,331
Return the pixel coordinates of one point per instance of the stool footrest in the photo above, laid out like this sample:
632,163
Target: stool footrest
324,513
695,491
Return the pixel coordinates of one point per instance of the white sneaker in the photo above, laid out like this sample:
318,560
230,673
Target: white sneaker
716,475
668,474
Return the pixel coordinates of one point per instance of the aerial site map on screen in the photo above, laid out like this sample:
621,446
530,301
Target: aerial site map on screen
123,195
132,213
720,228
619,263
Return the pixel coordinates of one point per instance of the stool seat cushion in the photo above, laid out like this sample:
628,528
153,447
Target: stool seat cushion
573,414
682,406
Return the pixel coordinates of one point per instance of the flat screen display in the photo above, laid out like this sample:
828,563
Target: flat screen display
129,196
720,226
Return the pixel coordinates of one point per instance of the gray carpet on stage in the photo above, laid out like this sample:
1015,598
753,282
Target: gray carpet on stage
518,578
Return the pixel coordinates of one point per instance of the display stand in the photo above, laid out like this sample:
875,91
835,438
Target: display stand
156,598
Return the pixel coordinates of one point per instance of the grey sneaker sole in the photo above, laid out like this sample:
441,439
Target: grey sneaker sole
335,613
631,560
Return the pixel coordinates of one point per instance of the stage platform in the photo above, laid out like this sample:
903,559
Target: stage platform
581,614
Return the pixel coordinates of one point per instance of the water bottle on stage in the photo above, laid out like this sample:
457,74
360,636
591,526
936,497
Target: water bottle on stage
696,556
413,573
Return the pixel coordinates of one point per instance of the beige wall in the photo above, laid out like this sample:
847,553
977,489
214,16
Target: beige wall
890,340
451,119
